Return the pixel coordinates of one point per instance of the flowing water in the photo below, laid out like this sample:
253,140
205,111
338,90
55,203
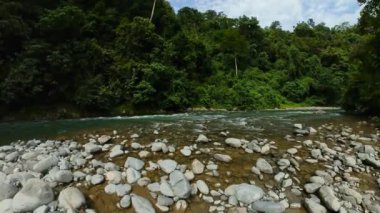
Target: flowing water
182,130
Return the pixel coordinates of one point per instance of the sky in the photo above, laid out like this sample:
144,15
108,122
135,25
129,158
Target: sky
288,12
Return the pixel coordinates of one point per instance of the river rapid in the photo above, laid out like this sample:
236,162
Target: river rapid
299,161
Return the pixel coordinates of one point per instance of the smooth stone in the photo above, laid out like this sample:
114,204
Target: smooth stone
114,177
116,153
122,189
12,157
223,158
110,189
328,197
125,202
279,177
197,167
134,163
185,152
7,191
71,198
248,194
133,175
202,139
166,189
181,205
45,164
104,139
168,165
63,176
264,166
141,205
317,179
202,187
268,206
180,185
234,142
292,151
35,193
6,206
97,179
312,187
314,207
144,154
164,201
92,148
42,209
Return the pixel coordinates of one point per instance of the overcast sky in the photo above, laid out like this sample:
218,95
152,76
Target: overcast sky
288,12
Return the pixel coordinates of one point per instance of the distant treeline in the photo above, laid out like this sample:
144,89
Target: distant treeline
108,57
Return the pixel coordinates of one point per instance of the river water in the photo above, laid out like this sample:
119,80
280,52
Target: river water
273,123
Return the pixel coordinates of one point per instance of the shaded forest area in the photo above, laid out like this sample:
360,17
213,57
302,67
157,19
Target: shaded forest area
107,57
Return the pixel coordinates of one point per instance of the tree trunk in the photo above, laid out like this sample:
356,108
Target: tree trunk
236,67
152,14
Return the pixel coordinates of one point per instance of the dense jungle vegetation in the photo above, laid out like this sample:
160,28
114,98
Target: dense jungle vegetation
112,57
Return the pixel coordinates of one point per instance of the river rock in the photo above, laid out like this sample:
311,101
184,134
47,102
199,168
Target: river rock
122,189
12,157
114,177
197,167
158,146
314,207
185,152
35,193
141,205
92,148
144,154
97,179
167,165
202,187
132,175
248,194
125,202
63,176
328,197
279,177
180,185
297,126
166,189
45,164
110,189
104,139
7,191
234,142
116,151
268,206
134,163
292,151
316,153
349,160
223,158
164,201
202,139
6,206
71,198
264,166
312,187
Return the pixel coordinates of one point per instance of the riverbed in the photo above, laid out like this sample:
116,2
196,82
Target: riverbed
245,137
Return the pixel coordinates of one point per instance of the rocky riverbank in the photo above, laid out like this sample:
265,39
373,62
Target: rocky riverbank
330,168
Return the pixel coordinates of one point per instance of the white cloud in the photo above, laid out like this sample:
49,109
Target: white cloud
288,12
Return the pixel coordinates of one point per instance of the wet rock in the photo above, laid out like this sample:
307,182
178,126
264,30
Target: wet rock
35,193
7,190
283,163
116,151
197,167
265,149
186,152
180,185
314,207
134,163
141,205
316,153
248,194
279,177
110,189
328,197
268,206
97,179
125,202
202,139
287,183
234,142
181,205
292,151
132,175
264,166
71,198
223,158
158,146
45,164
202,187
104,139
144,154
167,165
154,187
